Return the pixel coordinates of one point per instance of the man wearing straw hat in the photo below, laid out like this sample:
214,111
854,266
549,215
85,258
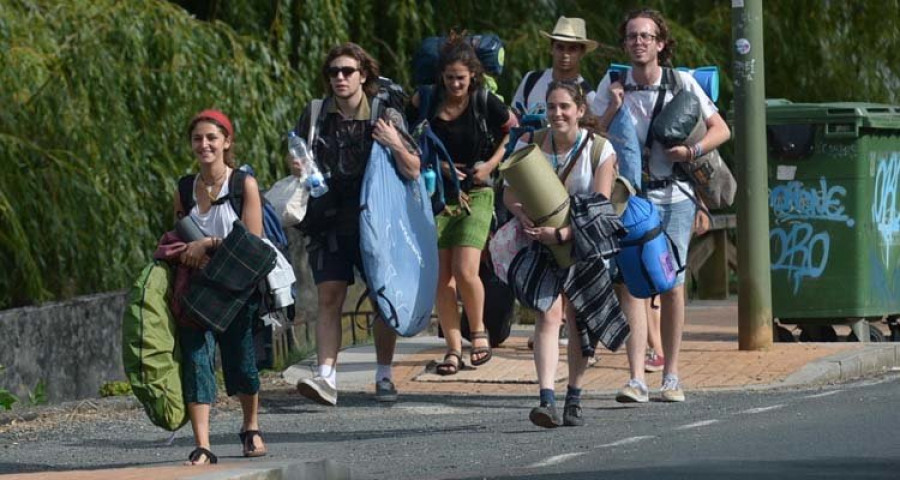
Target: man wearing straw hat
568,44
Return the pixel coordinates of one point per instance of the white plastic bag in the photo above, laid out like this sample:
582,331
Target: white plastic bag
289,197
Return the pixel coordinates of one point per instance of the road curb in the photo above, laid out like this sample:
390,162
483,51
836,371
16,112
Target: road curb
845,366
318,470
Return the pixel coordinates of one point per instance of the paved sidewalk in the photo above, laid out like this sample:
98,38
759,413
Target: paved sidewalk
710,360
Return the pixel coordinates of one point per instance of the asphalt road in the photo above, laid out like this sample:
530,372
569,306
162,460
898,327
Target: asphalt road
844,431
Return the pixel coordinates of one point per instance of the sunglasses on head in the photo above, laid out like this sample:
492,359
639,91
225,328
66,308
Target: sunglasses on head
345,71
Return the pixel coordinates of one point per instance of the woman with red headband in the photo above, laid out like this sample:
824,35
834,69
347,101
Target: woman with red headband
212,141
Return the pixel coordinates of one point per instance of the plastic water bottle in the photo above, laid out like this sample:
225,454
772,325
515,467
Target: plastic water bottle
430,178
315,181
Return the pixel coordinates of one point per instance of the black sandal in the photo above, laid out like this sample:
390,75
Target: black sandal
250,449
195,456
447,367
485,351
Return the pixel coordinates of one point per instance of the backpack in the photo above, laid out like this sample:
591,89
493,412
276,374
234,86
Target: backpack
488,47
646,256
271,221
150,353
710,176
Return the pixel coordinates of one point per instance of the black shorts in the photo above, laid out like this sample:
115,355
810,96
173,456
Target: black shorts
332,258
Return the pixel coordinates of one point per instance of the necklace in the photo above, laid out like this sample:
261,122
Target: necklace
210,185
571,152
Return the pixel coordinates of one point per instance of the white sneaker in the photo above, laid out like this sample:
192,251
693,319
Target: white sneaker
318,390
635,391
671,390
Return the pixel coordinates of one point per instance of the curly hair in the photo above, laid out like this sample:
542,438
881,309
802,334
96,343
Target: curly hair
665,55
458,49
368,66
589,121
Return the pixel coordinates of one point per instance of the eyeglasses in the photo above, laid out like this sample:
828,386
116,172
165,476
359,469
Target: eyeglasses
345,71
643,36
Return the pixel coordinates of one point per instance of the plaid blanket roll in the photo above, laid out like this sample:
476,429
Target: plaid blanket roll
219,291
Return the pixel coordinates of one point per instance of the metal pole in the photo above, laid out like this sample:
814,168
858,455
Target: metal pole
754,289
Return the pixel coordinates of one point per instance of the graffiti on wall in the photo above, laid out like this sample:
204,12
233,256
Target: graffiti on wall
797,247
886,203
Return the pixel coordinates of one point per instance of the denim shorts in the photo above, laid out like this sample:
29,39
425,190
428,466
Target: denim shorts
678,221
198,358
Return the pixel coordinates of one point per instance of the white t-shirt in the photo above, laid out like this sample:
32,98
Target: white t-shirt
537,98
581,177
640,104
216,222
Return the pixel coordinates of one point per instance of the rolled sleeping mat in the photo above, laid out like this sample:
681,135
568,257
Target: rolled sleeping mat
543,196
707,77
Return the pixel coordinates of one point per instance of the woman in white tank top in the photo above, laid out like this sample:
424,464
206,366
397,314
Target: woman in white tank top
212,141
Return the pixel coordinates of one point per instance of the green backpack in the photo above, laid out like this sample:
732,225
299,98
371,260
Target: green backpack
150,351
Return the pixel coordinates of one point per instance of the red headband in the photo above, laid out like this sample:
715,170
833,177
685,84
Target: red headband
218,117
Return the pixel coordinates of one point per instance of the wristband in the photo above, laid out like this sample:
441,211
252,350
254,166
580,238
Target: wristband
697,150
559,239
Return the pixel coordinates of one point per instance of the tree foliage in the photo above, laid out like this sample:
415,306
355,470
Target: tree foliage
96,95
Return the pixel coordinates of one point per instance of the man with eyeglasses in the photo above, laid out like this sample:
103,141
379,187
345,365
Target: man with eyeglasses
568,45
645,38
342,144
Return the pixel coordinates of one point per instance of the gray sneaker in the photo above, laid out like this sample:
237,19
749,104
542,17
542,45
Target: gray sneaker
385,391
545,416
634,391
671,390
318,390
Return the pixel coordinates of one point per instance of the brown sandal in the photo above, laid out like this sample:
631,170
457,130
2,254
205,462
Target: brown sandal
200,452
448,367
250,449
485,351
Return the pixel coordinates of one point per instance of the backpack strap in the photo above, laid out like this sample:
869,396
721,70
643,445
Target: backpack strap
531,79
186,192
235,192
596,150
315,109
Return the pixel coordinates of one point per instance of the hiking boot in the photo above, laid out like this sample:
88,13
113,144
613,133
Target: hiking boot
385,391
671,390
318,390
572,415
654,362
545,416
635,391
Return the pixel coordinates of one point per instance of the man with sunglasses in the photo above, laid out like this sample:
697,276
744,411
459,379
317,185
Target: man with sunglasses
568,45
342,143
645,38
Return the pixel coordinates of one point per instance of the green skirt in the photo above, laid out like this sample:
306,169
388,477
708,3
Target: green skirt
456,229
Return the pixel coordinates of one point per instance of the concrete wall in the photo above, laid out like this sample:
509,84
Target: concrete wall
74,346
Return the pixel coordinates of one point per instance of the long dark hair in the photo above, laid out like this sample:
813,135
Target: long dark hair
368,66
458,49
589,121
665,55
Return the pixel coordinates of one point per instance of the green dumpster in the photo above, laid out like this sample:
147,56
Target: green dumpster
834,211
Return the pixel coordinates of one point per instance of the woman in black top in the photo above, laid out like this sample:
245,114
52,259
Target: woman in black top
473,125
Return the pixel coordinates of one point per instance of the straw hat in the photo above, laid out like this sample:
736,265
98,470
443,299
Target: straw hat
571,30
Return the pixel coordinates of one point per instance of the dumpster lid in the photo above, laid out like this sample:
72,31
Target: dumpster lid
854,115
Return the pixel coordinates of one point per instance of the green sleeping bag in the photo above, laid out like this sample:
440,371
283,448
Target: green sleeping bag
150,350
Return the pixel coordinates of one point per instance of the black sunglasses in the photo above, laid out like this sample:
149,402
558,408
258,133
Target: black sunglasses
346,71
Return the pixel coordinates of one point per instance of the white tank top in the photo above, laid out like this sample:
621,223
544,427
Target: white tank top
217,222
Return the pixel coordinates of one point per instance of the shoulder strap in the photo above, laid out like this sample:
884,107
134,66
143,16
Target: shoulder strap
673,80
186,192
538,136
531,79
315,109
235,192
596,150
565,174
